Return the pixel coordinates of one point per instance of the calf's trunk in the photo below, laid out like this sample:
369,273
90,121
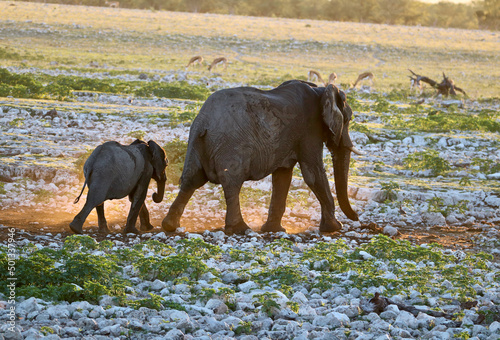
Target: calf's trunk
158,196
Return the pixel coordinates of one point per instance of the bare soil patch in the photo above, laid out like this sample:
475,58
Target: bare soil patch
35,222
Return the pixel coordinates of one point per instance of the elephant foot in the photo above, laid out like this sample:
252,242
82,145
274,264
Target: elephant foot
169,225
330,226
272,227
104,230
131,230
238,229
76,228
146,227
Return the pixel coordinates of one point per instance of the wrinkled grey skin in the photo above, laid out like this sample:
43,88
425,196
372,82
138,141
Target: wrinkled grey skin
114,171
245,134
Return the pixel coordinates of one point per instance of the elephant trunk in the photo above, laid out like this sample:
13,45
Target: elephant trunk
158,196
341,158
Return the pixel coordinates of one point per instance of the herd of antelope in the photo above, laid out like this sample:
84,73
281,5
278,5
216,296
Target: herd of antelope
198,61
313,76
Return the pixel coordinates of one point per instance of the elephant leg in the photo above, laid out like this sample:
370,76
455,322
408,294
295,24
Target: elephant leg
101,220
281,184
173,219
77,223
144,217
94,199
137,202
234,220
315,178
188,186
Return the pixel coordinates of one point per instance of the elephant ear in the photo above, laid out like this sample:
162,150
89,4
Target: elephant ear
159,158
332,113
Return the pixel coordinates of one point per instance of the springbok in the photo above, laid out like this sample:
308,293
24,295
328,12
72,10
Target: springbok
196,60
363,76
314,75
331,79
217,61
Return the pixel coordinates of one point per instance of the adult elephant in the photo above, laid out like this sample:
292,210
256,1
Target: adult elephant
114,171
245,134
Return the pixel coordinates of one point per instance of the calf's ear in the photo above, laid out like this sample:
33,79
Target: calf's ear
332,114
159,158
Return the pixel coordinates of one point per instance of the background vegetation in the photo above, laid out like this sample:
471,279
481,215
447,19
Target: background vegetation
483,14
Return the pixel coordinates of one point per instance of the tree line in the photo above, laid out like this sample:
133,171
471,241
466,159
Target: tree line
482,14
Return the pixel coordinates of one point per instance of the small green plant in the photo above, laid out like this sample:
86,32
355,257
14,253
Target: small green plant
241,255
267,302
487,166
2,188
198,248
489,316
244,327
153,302
286,275
381,105
79,243
206,294
390,190
294,306
186,117
465,182
94,290
17,122
173,305
462,335
427,160
171,267
46,330
155,246
436,204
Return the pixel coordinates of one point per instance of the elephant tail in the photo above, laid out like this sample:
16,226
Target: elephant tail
78,198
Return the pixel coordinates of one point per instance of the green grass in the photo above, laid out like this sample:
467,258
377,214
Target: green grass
73,273
61,87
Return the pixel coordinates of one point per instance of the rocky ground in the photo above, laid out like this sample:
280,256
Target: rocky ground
312,293
234,298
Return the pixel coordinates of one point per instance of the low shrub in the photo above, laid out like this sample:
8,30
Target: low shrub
427,160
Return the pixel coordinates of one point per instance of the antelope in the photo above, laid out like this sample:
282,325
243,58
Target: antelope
314,75
112,4
217,61
363,76
196,60
331,79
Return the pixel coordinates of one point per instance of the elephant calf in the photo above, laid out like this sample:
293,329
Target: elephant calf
114,171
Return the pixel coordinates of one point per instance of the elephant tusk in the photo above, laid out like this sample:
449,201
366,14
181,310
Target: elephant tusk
356,151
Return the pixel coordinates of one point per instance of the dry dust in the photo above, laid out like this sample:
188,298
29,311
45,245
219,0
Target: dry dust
36,222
